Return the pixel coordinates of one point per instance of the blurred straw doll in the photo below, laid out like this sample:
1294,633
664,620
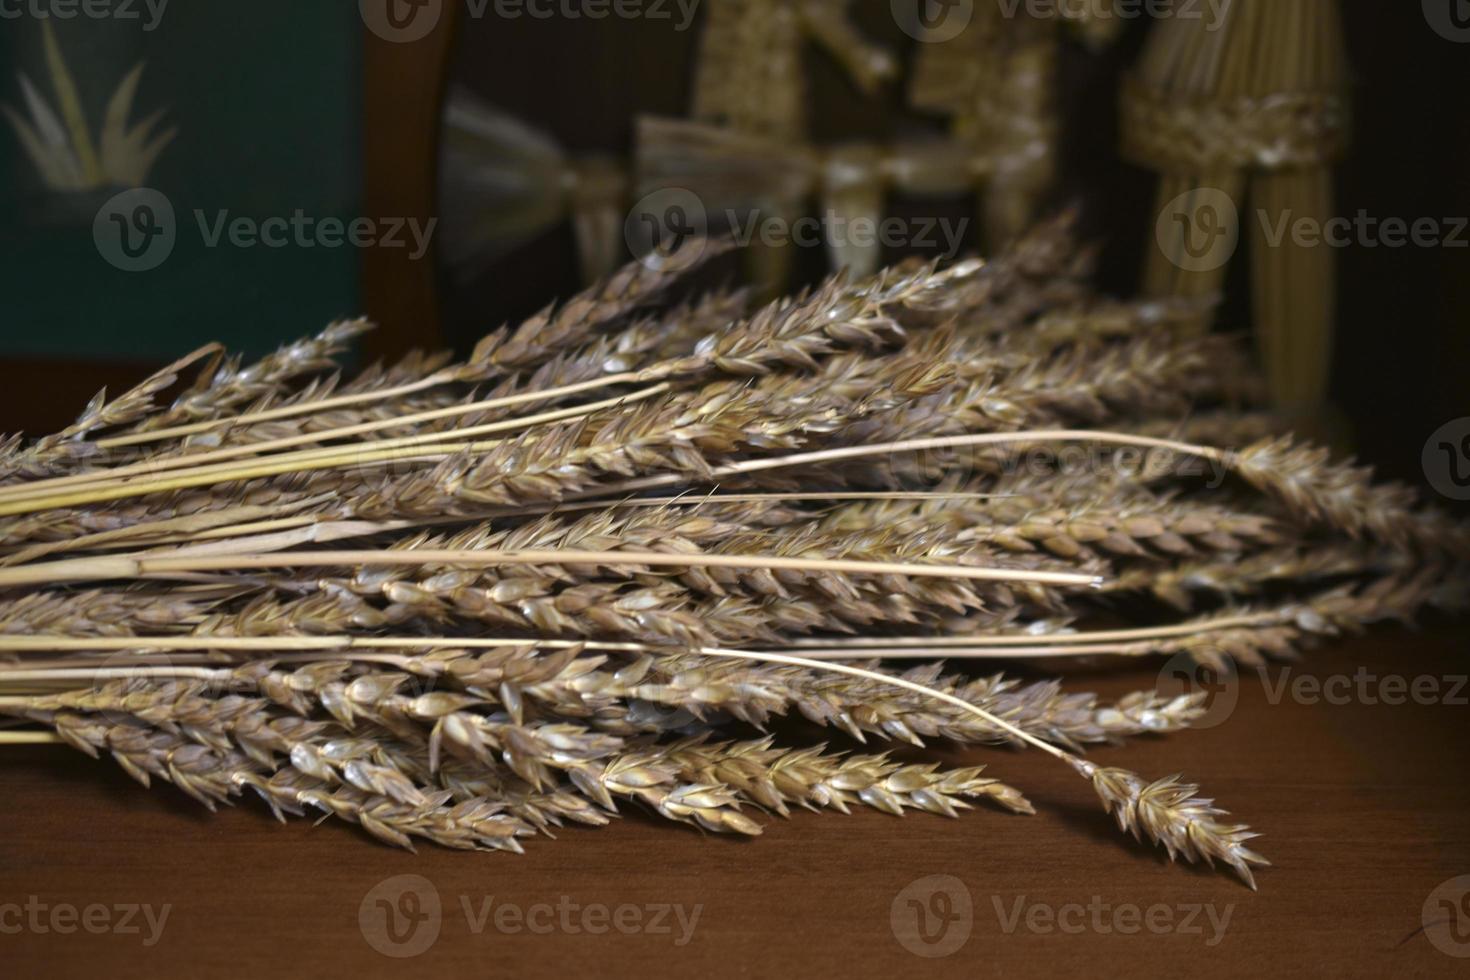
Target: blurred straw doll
503,183
997,79
750,73
750,80
1248,110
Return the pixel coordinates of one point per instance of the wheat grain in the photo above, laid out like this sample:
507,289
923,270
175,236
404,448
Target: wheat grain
519,639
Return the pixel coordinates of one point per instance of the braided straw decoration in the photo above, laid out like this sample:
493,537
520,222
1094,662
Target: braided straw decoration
1253,107
1271,133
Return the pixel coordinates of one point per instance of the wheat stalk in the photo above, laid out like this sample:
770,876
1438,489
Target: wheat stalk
468,601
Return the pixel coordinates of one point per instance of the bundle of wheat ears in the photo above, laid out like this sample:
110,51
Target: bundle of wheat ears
469,602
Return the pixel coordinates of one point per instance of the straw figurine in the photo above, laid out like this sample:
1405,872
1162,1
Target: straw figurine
996,81
1248,113
502,182
750,80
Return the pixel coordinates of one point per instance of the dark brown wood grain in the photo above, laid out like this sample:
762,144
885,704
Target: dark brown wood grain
402,91
42,395
1364,807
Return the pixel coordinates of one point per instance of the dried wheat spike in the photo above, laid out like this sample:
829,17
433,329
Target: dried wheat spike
648,776
603,304
146,753
231,385
1233,575
98,612
70,448
533,751
474,706
811,777
1343,496
470,825
442,720
363,781
1171,815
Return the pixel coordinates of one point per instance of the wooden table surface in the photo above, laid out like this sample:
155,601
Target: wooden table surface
1364,804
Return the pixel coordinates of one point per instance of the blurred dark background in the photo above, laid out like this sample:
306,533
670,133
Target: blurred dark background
280,108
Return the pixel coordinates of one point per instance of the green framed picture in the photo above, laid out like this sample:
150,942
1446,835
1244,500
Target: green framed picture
132,146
